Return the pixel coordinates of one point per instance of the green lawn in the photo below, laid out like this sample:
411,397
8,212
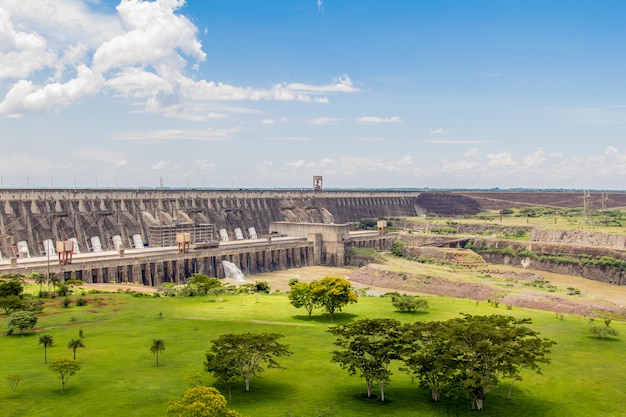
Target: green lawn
120,378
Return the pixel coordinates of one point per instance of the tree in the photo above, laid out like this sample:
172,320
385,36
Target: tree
65,368
21,320
248,351
158,346
409,303
200,402
482,349
54,280
74,344
369,346
333,293
13,286
39,279
46,340
470,354
300,296
426,354
13,380
201,284
11,303
224,369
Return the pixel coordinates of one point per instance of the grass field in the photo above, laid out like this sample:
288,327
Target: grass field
120,377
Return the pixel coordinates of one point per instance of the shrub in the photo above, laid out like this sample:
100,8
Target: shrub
408,303
262,286
397,248
66,302
81,301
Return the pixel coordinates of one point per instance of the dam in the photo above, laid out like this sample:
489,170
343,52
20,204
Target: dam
110,219
129,235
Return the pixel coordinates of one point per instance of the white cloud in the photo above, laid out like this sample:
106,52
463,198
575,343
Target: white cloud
21,53
25,97
323,121
213,115
376,119
154,35
296,164
142,54
437,131
160,165
457,141
205,165
179,134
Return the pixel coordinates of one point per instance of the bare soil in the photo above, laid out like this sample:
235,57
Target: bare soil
506,286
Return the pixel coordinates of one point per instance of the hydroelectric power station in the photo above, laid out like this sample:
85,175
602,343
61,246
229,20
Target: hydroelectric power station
121,235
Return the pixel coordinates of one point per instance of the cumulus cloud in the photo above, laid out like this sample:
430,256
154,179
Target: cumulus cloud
377,120
21,53
143,54
26,97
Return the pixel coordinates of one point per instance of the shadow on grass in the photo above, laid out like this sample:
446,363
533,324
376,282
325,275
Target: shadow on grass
400,399
324,318
262,391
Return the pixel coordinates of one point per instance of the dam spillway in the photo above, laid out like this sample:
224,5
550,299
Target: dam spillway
108,219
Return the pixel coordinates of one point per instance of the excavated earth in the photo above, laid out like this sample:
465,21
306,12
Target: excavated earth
504,286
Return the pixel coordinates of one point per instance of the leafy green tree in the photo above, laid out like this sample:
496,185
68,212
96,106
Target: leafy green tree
158,346
472,353
11,303
12,286
201,284
200,402
224,369
426,354
485,348
47,341
409,303
21,320
74,344
333,293
248,351
13,380
65,368
368,347
300,295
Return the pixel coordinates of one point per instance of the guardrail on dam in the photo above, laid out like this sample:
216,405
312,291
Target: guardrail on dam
108,219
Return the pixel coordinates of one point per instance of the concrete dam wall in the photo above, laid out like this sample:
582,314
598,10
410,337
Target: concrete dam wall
97,220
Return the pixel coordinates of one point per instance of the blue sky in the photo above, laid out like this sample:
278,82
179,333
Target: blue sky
368,94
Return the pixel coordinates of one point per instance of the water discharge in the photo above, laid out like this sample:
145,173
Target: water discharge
232,271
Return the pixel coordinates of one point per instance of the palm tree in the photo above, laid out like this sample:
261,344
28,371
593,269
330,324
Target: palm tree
46,340
39,279
158,346
54,280
75,344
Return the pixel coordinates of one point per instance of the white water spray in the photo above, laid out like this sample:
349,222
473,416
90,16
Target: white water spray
232,271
